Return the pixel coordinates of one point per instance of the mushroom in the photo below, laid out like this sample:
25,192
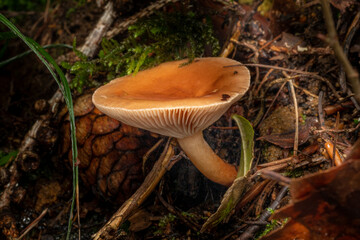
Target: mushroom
180,99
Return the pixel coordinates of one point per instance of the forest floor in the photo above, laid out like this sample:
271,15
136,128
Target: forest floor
301,106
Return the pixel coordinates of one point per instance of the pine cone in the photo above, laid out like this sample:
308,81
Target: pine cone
109,152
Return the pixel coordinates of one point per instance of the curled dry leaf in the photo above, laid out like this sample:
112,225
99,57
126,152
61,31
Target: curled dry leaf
286,140
324,205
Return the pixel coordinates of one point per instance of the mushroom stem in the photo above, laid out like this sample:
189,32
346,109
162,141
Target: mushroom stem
206,161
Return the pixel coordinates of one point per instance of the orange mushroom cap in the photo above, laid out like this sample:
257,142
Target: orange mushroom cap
177,98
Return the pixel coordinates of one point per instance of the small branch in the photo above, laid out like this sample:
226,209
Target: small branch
160,167
249,232
187,221
123,26
33,224
275,176
320,110
312,74
351,73
93,40
296,139
273,67
349,130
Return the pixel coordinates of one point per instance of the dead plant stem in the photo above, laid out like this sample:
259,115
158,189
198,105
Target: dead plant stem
152,179
296,140
249,232
351,73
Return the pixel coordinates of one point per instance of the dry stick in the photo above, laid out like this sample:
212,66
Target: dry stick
253,192
256,57
238,28
296,140
233,232
33,224
148,153
191,224
273,67
260,116
93,40
273,163
320,110
229,47
351,73
267,44
29,141
249,232
46,13
265,78
268,174
123,25
152,179
349,130
258,206
258,121
312,74
348,38
305,91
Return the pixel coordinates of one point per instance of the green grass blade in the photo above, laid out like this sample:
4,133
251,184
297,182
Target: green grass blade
3,63
64,87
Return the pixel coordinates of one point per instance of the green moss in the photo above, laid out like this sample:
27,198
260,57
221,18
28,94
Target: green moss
272,226
164,221
151,41
295,173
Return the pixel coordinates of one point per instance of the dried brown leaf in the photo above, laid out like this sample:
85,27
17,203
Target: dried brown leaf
286,140
325,205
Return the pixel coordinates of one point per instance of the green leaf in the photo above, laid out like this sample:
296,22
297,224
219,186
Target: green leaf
247,144
234,193
229,201
8,157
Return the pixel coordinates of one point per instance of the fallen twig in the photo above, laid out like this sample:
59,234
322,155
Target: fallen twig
320,110
160,167
351,73
191,224
33,224
296,138
249,232
124,24
259,204
254,191
349,130
276,176
312,74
